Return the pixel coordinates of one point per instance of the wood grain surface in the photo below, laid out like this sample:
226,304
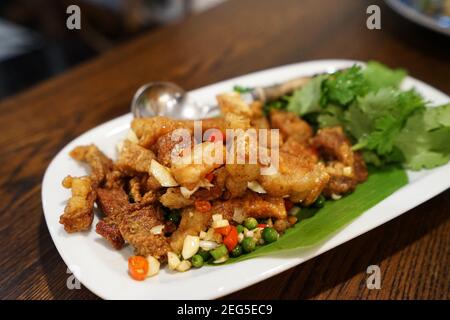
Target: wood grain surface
232,39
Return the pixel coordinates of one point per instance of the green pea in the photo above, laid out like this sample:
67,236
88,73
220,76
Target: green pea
237,251
173,216
248,244
204,254
269,235
197,261
219,252
240,228
320,202
250,223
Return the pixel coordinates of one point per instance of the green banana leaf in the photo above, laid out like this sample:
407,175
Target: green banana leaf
315,225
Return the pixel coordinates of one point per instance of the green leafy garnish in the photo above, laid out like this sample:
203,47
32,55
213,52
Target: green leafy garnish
344,86
387,124
240,89
378,76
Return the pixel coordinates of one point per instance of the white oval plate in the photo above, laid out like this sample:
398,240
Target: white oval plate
103,270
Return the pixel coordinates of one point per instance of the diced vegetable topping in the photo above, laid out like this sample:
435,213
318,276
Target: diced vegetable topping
250,223
197,261
185,265
190,246
219,252
173,260
153,266
248,244
138,267
223,230
270,235
231,239
204,254
237,251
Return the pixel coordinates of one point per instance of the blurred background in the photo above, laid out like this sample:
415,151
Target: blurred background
35,45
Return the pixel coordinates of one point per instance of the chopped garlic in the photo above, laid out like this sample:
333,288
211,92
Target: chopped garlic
222,259
190,246
220,224
184,265
257,233
335,196
153,266
256,187
208,245
211,235
162,174
187,193
217,217
132,136
173,260
119,146
248,233
157,229
202,235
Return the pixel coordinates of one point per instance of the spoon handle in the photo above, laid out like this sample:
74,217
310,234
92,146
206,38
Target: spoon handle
276,91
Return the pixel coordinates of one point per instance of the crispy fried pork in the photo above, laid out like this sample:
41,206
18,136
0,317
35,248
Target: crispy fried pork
134,158
290,125
253,205
129,191
109,230
192,222
345,167
136,229
100,164
79,210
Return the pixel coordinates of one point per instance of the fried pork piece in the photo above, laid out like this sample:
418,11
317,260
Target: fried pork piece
109,230
238,176
214,192
345,167
251,205
79,211
170,144
136,229
232,103
294,179
148,130
114,203
139,191
258,119
303,151
192,167
290,125
173,199
192,222
100,164
134,158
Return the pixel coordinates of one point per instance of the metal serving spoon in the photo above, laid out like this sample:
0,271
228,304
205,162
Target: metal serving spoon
168,99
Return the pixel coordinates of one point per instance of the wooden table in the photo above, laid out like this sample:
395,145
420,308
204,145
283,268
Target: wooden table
233,39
